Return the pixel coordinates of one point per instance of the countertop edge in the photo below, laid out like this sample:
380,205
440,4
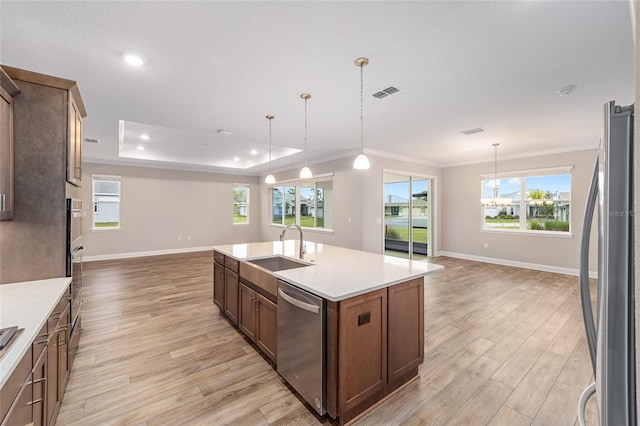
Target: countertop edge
19,348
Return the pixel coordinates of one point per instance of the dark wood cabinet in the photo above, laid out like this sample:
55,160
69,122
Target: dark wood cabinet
42,128
375,343
33,393
258,319
266,336
362,360
406,328
218,285
231,281
247,311
8,90
74,143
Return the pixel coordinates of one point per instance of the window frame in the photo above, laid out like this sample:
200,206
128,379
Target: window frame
523,202
109,178
246,187
297,184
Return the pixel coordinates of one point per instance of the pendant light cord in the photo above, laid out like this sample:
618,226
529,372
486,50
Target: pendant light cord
270,145
305,131
361,109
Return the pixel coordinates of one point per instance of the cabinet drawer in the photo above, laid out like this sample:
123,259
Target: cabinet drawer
40,342
15,382
218,257
232,264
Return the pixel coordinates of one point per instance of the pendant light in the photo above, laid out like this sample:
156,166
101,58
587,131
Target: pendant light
305,173
495,201
270,179
361,162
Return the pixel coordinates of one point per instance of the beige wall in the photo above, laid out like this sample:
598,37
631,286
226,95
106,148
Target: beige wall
158,206
358,194
462,215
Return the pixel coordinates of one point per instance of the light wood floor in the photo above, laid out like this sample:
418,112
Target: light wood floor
503,346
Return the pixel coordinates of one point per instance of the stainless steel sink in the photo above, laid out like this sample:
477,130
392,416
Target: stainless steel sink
278,263
260,271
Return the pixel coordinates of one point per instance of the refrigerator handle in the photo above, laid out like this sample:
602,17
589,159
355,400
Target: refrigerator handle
585,294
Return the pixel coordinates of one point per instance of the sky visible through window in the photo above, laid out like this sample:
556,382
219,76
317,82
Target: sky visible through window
401,189
553,184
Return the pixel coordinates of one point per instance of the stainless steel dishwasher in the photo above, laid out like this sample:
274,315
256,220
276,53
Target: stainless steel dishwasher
301,343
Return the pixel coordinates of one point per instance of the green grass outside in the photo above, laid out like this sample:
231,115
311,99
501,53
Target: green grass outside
419,235
239,219
305,221
107,224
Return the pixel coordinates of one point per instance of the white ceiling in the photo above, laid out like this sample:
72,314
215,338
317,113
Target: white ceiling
225,65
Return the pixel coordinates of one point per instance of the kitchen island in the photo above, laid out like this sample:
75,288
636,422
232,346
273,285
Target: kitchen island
372,315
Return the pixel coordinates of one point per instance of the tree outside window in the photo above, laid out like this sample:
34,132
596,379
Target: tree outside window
241,205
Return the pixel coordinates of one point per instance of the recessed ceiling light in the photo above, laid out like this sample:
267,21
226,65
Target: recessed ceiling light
144,137
134,60
140,148
566,90
236,158
254,152
472,131
224,132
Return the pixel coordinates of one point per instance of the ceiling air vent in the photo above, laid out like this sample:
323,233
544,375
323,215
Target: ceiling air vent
88,140
386,92
472,131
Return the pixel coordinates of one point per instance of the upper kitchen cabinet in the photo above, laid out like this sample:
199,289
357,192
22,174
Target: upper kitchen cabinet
71,115
8,90
47,130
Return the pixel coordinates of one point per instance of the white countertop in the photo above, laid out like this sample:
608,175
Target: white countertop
334,273
26,305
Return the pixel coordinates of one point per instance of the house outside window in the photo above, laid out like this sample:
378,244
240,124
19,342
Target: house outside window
308,204
540,202
240,205
106,202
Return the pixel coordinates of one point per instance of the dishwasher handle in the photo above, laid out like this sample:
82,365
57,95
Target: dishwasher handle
298,303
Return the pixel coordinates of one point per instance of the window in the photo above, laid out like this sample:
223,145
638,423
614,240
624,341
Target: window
106,202
240,205
545,206
308,204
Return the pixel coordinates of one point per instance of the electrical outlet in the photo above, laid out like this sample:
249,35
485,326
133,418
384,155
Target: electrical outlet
349,220
179,238
486,245
378,221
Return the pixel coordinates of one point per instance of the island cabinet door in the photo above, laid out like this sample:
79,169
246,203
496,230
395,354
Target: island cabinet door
406,329
362,355
218,285
246,313
266,326
231,295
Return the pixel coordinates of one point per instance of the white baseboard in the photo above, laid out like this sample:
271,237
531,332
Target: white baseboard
115,256
527,265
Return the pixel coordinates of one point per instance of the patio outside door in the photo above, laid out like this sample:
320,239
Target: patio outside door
407,216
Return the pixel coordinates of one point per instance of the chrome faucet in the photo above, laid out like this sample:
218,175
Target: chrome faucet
302,250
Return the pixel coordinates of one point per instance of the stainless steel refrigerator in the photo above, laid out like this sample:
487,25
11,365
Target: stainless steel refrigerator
611,331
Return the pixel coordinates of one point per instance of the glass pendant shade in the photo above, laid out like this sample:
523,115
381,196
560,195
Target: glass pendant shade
361,163
305,173
495,201
270,179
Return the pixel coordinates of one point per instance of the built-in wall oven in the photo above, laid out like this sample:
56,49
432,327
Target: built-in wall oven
75,250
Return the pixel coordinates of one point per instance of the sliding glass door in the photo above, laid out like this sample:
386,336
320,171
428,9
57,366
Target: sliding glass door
407,216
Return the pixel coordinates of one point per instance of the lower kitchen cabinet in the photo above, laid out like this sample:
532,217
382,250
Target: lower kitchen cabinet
42,374
375,342
258,319
406,328
218,285
231,281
